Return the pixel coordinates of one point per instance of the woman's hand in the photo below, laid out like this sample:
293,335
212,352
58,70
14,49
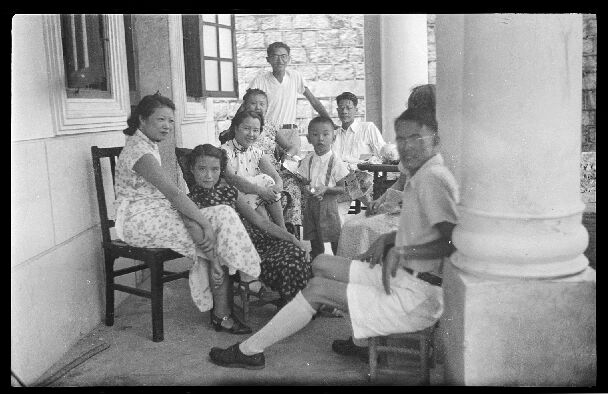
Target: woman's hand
217,272
207,244
267,194
372,208
301,245
277,189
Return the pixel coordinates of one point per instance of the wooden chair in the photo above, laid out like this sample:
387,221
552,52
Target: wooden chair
425,353
152,259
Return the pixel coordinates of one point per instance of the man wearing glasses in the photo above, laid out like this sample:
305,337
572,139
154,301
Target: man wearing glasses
282,87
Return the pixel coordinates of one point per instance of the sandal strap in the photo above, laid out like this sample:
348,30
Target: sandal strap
223,318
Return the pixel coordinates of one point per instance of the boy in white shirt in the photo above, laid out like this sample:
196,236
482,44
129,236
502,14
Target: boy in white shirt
325,173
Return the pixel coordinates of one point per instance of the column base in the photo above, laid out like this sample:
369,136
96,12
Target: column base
519,332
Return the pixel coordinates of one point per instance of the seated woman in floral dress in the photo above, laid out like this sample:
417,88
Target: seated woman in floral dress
285,265
275,146
151,208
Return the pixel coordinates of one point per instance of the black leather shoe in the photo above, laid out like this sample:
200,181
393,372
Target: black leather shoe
238,328
232,357
348,348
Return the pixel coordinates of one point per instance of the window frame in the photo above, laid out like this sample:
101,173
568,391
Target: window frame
73,115
205,93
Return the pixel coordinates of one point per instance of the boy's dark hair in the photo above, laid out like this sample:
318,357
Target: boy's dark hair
276,45
145,108
321,119
207,150
420,116
347,96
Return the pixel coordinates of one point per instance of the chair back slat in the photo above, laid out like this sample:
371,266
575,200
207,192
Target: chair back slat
182,159
97,154
113,168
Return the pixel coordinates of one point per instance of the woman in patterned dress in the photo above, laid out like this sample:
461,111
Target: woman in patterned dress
151,208
272,142
285,265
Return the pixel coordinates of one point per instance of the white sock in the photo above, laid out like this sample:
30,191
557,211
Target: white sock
291,318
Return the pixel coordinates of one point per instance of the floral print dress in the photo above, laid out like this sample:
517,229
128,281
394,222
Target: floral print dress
145,218
285,267
267,142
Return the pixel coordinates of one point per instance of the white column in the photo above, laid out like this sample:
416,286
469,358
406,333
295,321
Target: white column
521,109
404,64
519,296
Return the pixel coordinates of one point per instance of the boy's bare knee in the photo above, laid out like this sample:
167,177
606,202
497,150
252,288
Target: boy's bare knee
315,290
320,264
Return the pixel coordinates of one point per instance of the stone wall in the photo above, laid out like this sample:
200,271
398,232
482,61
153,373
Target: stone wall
328,50
588,123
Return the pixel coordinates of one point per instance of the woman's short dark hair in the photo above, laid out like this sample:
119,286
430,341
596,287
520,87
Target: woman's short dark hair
254,92
423,97
145,108
419,115
207,150
241,116
276,45
347,96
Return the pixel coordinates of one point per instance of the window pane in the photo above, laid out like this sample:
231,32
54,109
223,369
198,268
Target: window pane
227,76
224,19
84,54
209,41
209,18
211,77
225,43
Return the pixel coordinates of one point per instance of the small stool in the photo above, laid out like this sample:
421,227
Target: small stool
244,292
378,347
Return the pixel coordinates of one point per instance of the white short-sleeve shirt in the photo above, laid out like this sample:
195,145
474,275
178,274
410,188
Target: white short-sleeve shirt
429,197
318,169
360,138
282,96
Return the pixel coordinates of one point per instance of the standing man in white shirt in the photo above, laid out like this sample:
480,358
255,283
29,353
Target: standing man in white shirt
356,141
282,87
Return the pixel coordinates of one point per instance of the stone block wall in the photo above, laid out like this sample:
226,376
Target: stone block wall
588,115
328,50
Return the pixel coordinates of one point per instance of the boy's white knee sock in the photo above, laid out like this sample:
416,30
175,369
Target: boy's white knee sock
292,318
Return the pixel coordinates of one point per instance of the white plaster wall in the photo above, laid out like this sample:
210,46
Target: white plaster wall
55,299
194,134
56,260
29,80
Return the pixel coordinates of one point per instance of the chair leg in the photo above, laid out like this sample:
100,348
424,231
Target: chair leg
156,290
424,360
373,358
109,267
244,290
